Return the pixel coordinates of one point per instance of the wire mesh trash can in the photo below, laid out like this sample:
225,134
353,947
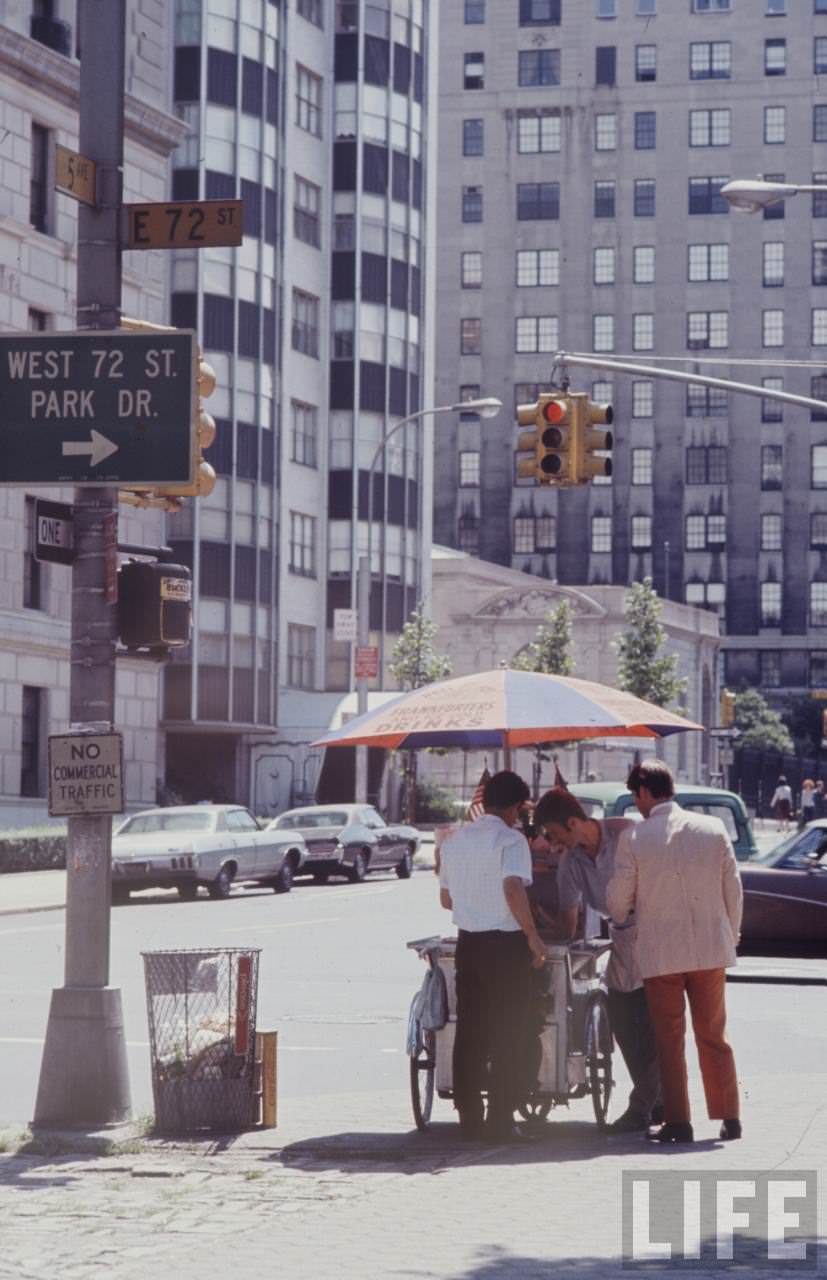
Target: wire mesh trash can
201,1006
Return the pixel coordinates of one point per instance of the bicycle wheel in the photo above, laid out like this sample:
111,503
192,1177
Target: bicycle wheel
423,1073
598,1042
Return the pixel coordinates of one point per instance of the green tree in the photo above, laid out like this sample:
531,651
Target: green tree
760,726
413,661
549,650
802,717
641,667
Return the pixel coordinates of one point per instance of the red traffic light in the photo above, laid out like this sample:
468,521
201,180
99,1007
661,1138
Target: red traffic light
554,410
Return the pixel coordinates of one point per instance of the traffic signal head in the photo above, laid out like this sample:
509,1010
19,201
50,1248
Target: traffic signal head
527,441
203,481
727,708
592,441
555,419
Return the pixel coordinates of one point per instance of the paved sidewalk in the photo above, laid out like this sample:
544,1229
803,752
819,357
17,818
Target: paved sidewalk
32,891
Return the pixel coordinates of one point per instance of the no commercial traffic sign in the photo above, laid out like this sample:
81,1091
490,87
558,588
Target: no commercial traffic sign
85,773
97,408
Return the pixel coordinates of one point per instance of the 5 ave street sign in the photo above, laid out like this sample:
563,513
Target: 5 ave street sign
102,408
75,175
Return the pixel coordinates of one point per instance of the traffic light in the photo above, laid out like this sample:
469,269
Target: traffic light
154,605
590,440
547,448
727,709
203,435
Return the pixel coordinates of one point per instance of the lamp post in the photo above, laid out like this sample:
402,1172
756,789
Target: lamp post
752,195
487,407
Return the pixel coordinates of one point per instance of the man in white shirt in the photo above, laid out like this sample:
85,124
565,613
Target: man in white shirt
484,872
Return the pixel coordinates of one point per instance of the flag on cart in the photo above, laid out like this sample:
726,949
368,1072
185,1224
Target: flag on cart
559,780
475,809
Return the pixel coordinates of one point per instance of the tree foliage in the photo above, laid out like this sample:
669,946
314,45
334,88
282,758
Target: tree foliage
413,662
641,667
549,650
760,726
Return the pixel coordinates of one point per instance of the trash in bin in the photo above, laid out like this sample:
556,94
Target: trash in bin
201,1006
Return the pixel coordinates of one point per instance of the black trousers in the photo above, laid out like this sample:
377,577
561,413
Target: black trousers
632,1029
493,982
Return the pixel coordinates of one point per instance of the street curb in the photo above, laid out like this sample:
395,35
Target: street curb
28,911
779,979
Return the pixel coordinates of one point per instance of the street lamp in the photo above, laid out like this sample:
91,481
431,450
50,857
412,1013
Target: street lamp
752,195
487,407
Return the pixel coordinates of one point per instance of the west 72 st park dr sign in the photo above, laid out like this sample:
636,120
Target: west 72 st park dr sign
101,408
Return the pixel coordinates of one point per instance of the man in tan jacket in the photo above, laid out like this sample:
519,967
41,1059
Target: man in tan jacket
677,872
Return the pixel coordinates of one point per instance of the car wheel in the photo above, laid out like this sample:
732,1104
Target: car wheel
321,877
283,882
220,887
188,891
359,869
120,895
405,865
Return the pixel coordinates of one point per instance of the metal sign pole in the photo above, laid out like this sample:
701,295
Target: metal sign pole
84,1078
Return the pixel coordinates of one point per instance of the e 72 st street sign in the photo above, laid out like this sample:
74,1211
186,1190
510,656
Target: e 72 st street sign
102,408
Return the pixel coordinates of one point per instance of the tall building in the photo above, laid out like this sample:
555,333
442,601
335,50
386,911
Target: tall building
315,114
583,146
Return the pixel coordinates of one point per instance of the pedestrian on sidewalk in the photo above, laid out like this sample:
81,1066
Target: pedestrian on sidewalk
807,807
677,872
584,871
485,869
782,804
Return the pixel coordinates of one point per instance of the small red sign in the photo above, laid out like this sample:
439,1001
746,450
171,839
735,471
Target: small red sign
243,994
365,661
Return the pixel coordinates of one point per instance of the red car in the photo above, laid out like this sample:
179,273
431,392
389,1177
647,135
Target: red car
785,890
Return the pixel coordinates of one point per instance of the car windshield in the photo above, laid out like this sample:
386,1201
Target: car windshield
795,849
320,818
143,823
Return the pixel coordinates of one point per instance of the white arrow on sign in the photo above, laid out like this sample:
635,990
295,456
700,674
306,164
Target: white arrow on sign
98,447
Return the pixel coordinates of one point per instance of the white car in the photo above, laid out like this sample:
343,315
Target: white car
350,840
185,846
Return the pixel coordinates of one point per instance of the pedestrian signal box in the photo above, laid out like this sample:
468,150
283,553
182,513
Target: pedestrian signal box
154,605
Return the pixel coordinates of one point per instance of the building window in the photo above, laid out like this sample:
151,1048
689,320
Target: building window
472,270
605,132
711,6
775,8
818,604
604,266
820,56
473,138
305,323
468,533
31,741
818,530
641,466
538,67
772,467
342,322
646,62
775,57
819,327
708,262
538,267
646,8
32,574
301,656
709,595
601,533
775,126
710,128
716,531
545,533
474,12
820,123
38,321
603,333
302,545
524,535
820,6
538,200
770,660
306,210
604,199
706,464
706,402
304,432
770,604
308,101
818,467
605,8
706,330
774,212
710,60
772,328
695,533
641,533
469,468
536,333
539,13
39,179
820,262
474,71
818,661
772,410
644,198
644,130
771,532
310,9
643,332
773,254
538,131
818,391
643,399
605,64
471,337
643,264
472,204
705,195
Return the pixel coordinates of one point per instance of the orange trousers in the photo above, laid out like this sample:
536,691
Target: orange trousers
705,990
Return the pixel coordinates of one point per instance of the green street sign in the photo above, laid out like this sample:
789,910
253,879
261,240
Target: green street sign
97,408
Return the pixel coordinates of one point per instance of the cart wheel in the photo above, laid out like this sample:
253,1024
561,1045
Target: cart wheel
534,1111
423,1071
598,1042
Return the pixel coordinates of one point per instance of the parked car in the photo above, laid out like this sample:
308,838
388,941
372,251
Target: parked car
186,846
615,800
785,890
350,840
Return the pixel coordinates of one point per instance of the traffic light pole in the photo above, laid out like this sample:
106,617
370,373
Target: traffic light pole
84,1079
